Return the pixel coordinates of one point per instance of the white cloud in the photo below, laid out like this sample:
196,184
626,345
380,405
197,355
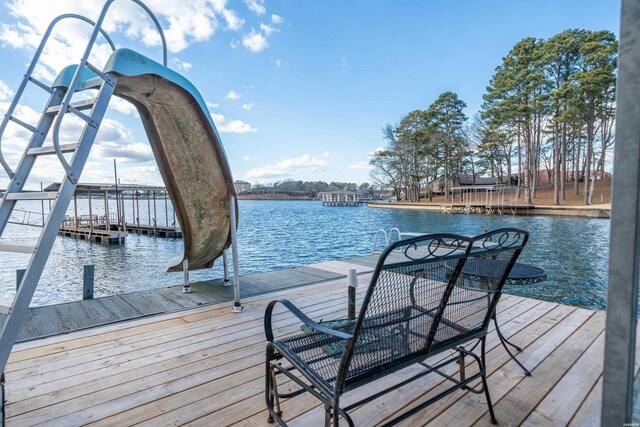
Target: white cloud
232,95
123,106
184,23
362,164
278,62
235,44
248,106
277,19
256,6
116,141
234,22
255,41
248,157
287,168
212,105
181,65
344,62
5,92
268,29
376,151
231,126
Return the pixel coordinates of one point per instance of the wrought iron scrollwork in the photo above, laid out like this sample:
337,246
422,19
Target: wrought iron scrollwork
437,247
502,239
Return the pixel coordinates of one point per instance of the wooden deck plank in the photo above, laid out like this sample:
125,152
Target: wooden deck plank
204,366
41,379
524,397
154,381
567,396
504,374
520,316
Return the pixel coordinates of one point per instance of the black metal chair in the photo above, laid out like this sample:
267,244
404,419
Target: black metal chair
418,305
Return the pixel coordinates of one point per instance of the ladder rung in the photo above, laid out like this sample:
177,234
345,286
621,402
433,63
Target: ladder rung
85,104
27,126
40,84
41,151
83,116
22,249
32,195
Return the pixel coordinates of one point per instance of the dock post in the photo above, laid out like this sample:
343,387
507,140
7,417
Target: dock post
352,283
237,305
225,266
186,288
19,276
87,281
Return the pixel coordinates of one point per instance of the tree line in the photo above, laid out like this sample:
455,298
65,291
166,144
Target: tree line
549,106
313,187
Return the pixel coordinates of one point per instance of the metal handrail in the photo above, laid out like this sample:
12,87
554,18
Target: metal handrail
375,239
397,230
27,76
75,81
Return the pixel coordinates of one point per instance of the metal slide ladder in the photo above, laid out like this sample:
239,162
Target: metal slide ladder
58,105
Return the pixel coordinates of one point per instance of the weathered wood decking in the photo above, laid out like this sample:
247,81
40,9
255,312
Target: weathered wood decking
204,366
67,317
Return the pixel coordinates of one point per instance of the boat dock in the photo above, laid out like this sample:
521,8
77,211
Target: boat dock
106,226
486,209
194,361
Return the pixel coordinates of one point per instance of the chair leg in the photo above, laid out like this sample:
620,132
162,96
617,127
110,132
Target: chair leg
271,389
484,382
335,413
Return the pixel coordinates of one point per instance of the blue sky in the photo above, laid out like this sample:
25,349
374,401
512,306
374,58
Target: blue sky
297,89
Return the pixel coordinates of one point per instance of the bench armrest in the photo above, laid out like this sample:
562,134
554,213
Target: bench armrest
268,314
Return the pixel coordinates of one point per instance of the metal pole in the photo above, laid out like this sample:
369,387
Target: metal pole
166,210
622,289
75,211
237,305
106,210
90,217
155,215
225,266
149,205
115,176
186,288
352,283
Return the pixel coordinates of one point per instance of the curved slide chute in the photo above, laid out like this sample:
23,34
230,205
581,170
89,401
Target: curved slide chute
186,146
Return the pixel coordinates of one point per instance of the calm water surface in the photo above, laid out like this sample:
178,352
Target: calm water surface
279,234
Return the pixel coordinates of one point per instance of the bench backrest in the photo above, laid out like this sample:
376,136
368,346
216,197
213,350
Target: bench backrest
420,300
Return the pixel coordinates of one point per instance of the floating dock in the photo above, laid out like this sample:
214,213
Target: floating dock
486,209
200,363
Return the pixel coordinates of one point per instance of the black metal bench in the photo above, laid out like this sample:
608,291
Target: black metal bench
416,306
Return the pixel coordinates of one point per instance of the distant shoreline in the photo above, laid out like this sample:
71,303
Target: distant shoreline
275,197
592,211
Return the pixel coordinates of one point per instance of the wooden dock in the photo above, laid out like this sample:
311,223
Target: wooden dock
205,366
486,209
156,231
96,234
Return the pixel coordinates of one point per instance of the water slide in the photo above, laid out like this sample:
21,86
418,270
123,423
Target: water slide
186,146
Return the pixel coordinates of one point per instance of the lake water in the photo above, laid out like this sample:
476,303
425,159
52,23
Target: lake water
279,234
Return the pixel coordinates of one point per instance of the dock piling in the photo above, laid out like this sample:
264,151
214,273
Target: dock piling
87,281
